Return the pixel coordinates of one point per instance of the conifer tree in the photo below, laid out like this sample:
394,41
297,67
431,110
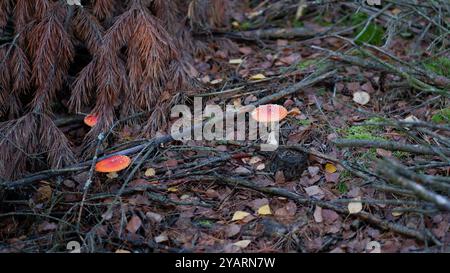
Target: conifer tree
111,59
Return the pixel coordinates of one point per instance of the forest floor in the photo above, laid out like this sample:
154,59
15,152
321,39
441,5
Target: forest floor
355,102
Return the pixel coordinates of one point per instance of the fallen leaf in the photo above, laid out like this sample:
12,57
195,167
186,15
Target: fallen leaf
257,77
134,224
313,170
264,210
318,215
216,81
172,189
383,152
235,61
397,213
260,167
315,191
44,193
154,216
243,243
355,207
279,177
361,97
74,2
330,168
232,230
242,170
254,160
161,238
329,216
150,172
239,215
122,251
332,177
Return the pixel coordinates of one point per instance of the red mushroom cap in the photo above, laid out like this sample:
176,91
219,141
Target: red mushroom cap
269,113
90,120
113,164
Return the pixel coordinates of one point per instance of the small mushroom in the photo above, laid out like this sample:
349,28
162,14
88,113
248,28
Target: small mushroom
269,113
113,164
90,120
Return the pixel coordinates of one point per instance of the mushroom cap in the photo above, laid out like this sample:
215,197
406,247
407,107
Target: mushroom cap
113,164
269,113
90,120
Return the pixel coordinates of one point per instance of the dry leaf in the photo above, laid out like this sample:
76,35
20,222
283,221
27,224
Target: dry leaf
172,189
260,167
315,191
216,81
264,210
318,215
257,77
243,243
397,213
44,193
361,97
150,172
74,2
330,168
122,251
239,215
161,238
236,61
134,224
373,2
355,207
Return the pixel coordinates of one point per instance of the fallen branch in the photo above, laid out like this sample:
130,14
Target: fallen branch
392,146
233,181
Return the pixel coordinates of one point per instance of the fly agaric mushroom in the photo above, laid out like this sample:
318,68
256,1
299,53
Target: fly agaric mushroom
269,113
113,164
90,120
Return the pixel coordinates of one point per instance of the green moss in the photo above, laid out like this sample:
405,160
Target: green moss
367,132
443,116
373,34
246,25
297,23
342,187
305,122
440,66
400,154
304,64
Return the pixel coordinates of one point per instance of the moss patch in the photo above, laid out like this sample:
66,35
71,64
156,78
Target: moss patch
373,34
367,132
440,66
443,116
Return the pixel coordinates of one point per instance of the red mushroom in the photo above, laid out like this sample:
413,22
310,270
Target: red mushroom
113,164
90,120
269,113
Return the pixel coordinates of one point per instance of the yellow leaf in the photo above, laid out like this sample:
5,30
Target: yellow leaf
264,210
330,168
239,215
150,172
355,207
235,24
122,251
397,213
172,189
243,243
235,61
44,193
257,77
